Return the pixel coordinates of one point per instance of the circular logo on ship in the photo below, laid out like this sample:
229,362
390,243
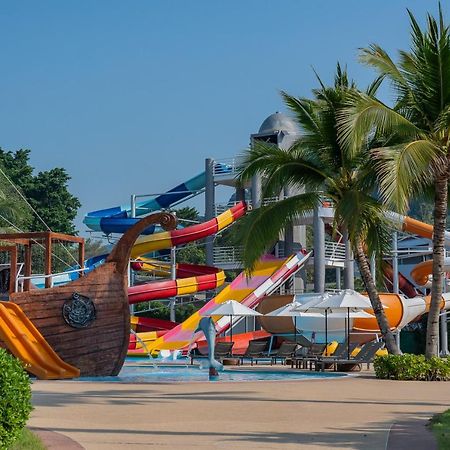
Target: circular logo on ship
78,311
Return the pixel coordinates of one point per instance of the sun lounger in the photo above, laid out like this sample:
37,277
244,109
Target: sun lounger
339,353
313,352
222,350
366,355
303,341
254,351
286,350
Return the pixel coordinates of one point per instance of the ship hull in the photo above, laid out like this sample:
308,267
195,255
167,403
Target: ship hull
99,347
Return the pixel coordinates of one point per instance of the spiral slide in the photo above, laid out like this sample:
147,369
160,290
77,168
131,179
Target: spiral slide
118,219
268,275
422,272
206,278
26,343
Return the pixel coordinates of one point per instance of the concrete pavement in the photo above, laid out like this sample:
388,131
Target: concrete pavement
351,413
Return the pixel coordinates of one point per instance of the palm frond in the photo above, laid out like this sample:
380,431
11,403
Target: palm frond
297,166
379,59
405,170
304,111
364,115
373,87
259,229
363,217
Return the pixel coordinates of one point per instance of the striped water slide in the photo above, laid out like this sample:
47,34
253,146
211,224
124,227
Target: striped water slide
208,277
118,219
267,276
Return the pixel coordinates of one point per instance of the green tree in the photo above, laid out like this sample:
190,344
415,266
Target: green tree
421,118
47,192
318,162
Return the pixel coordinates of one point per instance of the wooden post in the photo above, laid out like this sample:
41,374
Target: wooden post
48,259
27,268
81,256
13,269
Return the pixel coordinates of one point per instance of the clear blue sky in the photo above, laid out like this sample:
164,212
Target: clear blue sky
130,97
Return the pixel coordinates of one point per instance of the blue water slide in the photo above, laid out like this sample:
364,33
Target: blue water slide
118,219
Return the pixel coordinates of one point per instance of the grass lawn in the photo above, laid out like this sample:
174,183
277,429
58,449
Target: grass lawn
27,441
440,424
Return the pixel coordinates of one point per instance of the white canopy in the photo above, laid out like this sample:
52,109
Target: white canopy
232,308
352,314
292,310
348,298
313,301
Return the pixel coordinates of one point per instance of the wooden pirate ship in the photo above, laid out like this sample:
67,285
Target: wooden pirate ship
86,321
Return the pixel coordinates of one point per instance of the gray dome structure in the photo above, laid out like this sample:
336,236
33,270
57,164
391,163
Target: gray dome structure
278,122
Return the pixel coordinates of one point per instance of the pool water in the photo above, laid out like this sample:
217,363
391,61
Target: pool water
147,373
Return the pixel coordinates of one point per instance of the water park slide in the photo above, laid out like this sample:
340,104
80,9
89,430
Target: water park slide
210,278
399,311
421,273
268,275
26,343
406,287
118,219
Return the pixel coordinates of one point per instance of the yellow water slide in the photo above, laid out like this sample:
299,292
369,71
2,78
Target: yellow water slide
26,343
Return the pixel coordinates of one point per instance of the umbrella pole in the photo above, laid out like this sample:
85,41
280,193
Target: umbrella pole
231,328
295,329
348,333
326,332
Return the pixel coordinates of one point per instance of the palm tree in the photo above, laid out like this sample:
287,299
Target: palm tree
324,167
421,119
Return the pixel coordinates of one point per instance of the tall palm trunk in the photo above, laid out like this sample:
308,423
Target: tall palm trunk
364,269
440,220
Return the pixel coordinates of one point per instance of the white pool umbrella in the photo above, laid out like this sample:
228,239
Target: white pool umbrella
347,299
291,310
232,308
312,302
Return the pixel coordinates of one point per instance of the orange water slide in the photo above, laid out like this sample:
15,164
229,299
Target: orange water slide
26,343
421,273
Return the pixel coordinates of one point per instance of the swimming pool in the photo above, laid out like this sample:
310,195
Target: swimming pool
147,373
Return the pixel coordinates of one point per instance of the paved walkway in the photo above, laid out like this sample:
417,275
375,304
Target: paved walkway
351,413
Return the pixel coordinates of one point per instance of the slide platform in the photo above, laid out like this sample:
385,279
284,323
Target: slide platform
26,343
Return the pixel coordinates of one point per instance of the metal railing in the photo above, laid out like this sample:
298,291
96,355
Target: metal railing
52,276
228,166
334,251
227,255
222,207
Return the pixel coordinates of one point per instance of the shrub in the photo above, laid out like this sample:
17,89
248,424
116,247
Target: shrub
15,399
412,367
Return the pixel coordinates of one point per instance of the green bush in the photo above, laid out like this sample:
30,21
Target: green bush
412,367
15,399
